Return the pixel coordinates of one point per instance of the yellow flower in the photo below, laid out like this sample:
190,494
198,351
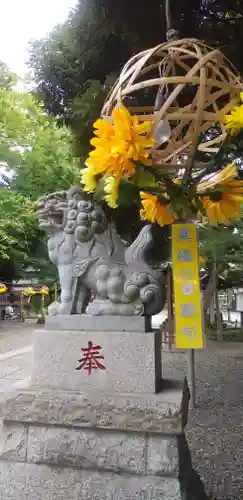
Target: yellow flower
117,146
131,134
234,120
103,128
3,288
226,177
88,179
29,291
44,290
154,211
225,195
223,210
111,190
177,180
225,181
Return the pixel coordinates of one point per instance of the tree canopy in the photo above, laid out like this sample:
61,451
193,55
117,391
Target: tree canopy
94,43
35,158
224,246
7,78
100,35
75,66
73,70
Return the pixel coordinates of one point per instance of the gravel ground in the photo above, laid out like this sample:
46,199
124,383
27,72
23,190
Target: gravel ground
215,427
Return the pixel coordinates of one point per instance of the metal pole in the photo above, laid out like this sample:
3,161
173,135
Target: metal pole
191,378
170,306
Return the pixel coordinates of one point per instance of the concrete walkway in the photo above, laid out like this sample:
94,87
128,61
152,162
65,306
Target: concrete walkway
15,353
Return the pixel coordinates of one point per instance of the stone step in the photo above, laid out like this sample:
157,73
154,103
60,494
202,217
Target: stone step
23,481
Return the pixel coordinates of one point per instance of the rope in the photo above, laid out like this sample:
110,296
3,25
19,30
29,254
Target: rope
167,15
171,34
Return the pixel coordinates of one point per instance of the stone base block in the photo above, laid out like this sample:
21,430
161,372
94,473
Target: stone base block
119,451
163,413
69,446
83,322
122,361
20,481
13,441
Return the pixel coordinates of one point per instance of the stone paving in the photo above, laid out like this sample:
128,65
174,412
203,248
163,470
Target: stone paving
215,428
15,353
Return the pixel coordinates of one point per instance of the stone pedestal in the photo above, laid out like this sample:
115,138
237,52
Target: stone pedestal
104,435
86,322
132,361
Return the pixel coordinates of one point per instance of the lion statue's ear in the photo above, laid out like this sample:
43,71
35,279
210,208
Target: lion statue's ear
78,193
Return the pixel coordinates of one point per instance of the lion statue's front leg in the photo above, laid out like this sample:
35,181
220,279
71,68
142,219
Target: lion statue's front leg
111,297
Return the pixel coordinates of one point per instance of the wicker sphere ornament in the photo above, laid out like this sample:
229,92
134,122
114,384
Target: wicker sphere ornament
185,88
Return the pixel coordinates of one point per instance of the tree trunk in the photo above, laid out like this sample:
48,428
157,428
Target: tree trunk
208,293
212,310
241,319
218,317
229,303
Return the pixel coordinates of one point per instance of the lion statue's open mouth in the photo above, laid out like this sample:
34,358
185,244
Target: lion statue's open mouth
50,211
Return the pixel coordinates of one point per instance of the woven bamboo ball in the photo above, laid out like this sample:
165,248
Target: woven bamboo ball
185,88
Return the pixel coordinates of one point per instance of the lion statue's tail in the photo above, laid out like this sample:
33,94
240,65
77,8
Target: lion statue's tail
138,249
148,281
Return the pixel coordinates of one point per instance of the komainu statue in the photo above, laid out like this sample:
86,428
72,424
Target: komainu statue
99,274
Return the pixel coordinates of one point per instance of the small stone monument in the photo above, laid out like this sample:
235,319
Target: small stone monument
97,421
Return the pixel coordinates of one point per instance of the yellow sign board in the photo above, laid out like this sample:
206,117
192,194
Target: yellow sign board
188,315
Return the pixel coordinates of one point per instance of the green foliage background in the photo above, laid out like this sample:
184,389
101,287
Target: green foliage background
44,135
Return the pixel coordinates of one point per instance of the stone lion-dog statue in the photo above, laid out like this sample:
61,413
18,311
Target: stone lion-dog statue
98,273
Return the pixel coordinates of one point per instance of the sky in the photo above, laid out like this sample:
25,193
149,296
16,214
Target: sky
22,20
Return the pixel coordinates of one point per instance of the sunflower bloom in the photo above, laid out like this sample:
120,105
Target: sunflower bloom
225,195
234,120
154,211
223,178
117,146
223,210
111,191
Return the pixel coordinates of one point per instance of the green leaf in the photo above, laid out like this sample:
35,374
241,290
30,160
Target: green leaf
128,195
99,192
143,180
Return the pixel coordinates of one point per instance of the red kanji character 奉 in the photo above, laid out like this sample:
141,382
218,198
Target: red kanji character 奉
91,357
